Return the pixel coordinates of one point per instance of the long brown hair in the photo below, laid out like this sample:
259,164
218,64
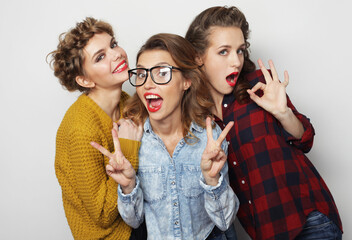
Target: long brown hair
195,102
67,60
199,31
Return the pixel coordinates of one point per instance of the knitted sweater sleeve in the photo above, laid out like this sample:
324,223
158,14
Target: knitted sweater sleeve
92,185
82,173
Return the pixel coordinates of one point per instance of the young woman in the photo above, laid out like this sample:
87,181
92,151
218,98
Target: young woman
182,184
282,196
88,59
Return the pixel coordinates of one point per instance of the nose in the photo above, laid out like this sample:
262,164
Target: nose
115,54
235,60
149,83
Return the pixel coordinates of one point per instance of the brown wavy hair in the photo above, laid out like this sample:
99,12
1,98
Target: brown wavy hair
67,60
196,102
199,31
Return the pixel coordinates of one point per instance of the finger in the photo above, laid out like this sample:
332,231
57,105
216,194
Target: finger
115,138
220,156
273,70
211,154
209,129
115,126
113,163
265,71
254,96
131,122
224,132
109,169
286,81
258,86
101,149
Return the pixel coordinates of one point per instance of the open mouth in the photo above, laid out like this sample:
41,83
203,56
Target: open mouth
122,66
231,79
154,102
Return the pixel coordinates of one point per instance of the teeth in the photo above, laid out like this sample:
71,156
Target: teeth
120,67
151,97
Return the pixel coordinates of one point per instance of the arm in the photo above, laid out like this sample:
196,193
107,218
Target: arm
88,180
276,102
121,170
220,201
131,206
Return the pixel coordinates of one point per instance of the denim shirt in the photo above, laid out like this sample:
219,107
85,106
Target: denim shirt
171,191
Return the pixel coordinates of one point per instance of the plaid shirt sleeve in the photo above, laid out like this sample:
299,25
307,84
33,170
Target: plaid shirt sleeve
276,183
305,143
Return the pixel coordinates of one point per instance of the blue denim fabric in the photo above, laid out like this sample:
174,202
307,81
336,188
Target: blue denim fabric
171,191
319,226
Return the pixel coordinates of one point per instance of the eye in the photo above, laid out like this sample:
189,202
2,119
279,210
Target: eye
240,51
140,74
163,72
223,52
100,57
114,44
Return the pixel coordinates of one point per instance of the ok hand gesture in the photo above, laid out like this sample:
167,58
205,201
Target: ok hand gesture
274,97
213,158
119,168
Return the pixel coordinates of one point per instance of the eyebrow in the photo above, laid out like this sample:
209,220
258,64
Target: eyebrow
102,50
158,64
228,46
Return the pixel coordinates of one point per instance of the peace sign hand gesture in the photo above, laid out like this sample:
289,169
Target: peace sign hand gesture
213,158
119,168
274,97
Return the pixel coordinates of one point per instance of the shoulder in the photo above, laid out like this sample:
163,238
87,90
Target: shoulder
83,115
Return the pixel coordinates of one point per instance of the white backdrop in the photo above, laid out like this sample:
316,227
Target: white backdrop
310,38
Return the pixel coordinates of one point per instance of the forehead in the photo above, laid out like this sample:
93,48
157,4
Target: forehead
97,42
151,58
225,36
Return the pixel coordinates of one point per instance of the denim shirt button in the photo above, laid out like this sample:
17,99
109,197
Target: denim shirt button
176,222
173,182
175,203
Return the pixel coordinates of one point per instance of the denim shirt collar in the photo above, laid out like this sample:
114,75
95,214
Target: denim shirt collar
148,127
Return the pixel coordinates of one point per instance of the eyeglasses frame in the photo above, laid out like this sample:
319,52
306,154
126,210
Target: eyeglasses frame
150,70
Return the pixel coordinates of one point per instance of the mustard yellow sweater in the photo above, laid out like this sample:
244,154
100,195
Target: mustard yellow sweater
89,195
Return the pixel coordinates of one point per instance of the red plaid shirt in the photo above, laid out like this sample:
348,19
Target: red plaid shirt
275,182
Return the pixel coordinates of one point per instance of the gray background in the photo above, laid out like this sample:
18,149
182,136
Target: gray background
309,38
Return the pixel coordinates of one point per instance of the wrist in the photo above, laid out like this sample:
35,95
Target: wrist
211,181
129,188
284,114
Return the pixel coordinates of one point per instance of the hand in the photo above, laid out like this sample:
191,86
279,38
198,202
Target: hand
126,128
119,168
213,158
274,92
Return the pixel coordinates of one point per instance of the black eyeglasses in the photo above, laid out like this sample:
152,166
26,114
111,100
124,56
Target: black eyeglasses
160,75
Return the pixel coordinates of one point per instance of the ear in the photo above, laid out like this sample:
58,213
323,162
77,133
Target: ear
187,84
84,82
199,61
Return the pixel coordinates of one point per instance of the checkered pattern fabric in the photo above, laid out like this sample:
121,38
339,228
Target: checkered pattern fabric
275,182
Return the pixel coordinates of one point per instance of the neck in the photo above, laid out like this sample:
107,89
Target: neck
169,130
217,109
108,101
